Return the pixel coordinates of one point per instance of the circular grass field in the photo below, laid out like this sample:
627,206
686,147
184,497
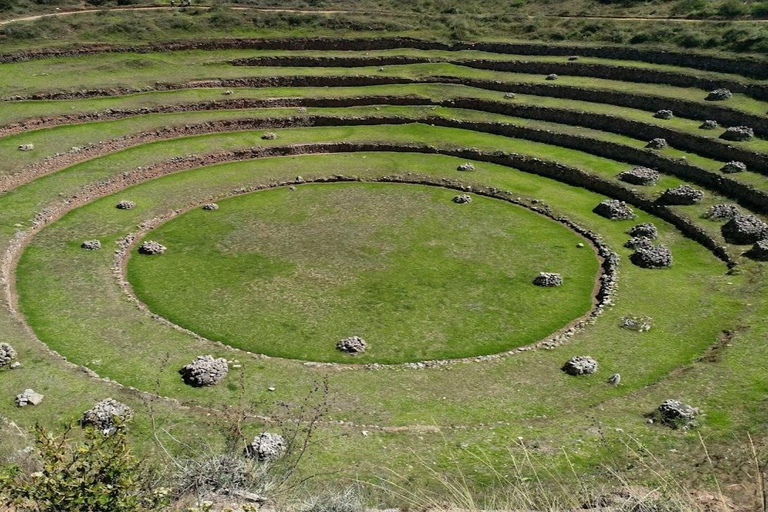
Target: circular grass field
287,273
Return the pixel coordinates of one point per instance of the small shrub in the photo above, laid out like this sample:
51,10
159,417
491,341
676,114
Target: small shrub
732,9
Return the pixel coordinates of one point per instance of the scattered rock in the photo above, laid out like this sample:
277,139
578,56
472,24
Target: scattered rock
227,93
580,365
615,379
352,345
91,245
210,207
759,250
676,414
301,110
7,354
738,133
614,209
548,279
636,242
722,211
636,323
15,365
266,447
205,371
269,136
646,229
509,96
734,167
106,415
552,76
26,147
151,247
657,256
719,95
709,124
580,245
640,176
466,167
462,199
29,397
682,195
744,229
664,114
126,205
657,143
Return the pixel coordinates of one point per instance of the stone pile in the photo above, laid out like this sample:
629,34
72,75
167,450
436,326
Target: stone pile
466,167
462,199
210,207
722,211
760,250
205,371
352,345
676,414
26,147
269,136
552,76
509,96
657,143
640,176
106,415
682,195
719,95
580,365
664,114
125,205
29,397
709,124
646,229
151,247
91,245
548,279
614,209
744,229
738,133
656,256
636,323
734,167
637,242
7,354
266,447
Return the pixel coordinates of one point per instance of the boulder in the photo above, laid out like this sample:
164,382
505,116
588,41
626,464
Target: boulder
738,133
150,247
91,245
719,95
210,207
664,114
744,229
682,195
466,167
676,414
656,256
548,279
722,211
552,76
759,250
734,167
269,136
646,230
462,199
657,143
205,371
106,415
640,176
266,447
125,205
7,354
580,365
29,397
614,209
709,124
352,345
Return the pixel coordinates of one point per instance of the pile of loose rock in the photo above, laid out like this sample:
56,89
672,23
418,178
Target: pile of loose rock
352,345
29,397
744,229
676,414
466,167
657,143
210,207
509,96
269,136
655,256
7,354
580,365
639,176
91,245
638,242
125,205
719,95
552,76
738,133
462,199
760,250
645,230
734,167
636,323
664,114
266,447
548,279
682,195
26,147
106,415
151,247
205,371
722,211
614,209
709,124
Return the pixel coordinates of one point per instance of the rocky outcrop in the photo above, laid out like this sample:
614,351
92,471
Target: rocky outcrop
682,195
614,209
106,416
580,365
266,447
640,176
744,229
205,371
548,279
352,345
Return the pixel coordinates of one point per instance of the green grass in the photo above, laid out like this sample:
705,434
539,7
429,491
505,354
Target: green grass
290,273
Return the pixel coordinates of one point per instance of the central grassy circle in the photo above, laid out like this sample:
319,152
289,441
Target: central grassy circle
289,273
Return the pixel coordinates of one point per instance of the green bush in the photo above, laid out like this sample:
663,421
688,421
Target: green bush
732,9
6,5
760,9
683,7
